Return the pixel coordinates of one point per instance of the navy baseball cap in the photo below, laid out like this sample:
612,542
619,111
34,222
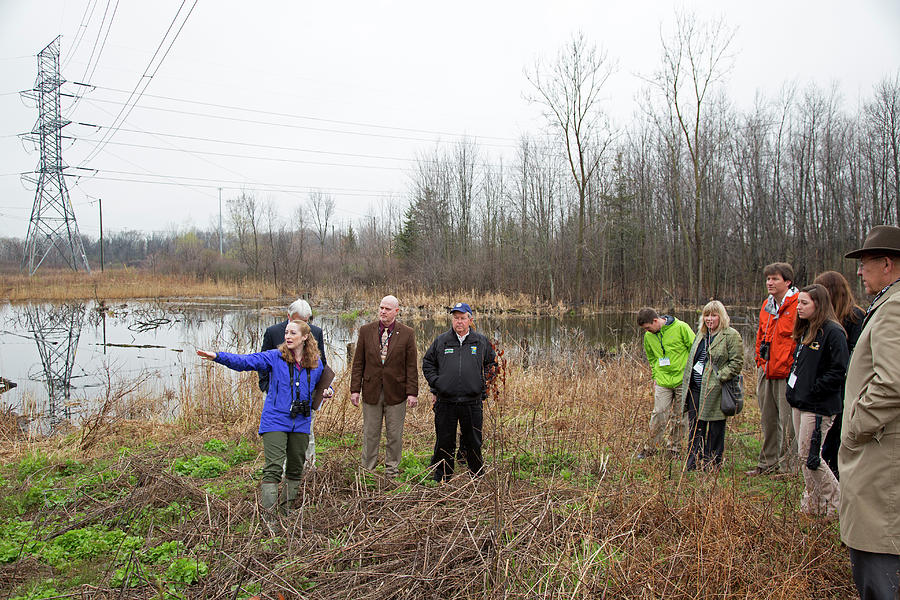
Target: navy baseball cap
461,307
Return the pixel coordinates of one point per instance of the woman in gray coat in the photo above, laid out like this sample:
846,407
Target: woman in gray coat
717,356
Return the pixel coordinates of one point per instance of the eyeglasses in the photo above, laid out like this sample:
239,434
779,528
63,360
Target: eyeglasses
864,261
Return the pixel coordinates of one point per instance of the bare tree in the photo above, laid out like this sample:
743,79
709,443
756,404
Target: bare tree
321,205
883,115
246,216
693,61
569,90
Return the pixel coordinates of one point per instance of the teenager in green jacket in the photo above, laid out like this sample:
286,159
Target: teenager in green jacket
667,342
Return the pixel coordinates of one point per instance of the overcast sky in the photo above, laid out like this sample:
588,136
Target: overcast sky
278,98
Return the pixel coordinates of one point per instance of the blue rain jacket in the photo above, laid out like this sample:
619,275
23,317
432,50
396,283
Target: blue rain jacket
276,414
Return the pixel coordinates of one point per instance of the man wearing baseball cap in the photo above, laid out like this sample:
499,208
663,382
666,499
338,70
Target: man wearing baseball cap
870,430
458,366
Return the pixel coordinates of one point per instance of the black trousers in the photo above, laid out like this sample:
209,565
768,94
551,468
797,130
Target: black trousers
877,576
832,444
707,438
469,417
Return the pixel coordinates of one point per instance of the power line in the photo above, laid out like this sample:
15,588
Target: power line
250,144
288,125
251,157
318,119
88,76
229,184
144,80
82,29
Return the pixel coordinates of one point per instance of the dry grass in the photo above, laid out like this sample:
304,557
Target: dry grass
564,511
122,284
65,285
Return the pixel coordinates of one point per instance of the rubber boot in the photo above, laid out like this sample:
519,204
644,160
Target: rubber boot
268,496
291,488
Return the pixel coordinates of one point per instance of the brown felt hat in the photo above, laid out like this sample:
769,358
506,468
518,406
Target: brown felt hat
882,239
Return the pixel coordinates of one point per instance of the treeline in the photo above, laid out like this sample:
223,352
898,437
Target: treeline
688,202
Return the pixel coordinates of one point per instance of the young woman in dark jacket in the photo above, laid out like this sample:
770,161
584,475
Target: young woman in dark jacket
814,393
850,316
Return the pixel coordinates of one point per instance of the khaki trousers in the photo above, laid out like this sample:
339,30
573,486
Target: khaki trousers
822,495
393,417
668,422
779,445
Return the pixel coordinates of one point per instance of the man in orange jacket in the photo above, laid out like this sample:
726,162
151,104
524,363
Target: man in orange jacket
774,357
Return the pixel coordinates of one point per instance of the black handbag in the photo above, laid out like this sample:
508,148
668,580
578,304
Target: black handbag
732,402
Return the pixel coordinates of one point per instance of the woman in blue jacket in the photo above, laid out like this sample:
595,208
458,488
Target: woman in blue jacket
294,370
814,393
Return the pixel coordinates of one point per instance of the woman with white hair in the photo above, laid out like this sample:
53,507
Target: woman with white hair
716,357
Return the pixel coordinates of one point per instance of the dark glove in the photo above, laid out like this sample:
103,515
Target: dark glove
814,459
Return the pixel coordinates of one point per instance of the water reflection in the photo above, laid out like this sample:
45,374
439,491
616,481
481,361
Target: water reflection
56,332
63,357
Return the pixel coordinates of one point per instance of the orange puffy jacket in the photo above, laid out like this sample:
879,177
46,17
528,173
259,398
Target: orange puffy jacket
776,327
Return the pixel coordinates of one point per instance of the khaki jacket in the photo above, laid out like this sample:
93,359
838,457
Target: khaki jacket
398,377
869,458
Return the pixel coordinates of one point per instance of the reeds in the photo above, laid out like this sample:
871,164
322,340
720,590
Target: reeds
564,510
128,283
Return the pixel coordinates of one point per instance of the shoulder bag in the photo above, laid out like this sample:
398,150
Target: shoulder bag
732,402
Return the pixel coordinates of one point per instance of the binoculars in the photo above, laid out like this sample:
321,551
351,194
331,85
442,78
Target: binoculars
300,407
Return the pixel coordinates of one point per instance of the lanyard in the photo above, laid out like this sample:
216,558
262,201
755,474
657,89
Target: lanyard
308,382
659,335
879,295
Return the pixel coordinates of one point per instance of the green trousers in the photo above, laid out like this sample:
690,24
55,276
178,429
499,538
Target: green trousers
285,453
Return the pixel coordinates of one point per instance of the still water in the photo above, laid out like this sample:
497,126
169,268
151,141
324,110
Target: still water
62,356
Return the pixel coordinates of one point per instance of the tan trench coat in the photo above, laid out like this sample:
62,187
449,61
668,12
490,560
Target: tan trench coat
869,458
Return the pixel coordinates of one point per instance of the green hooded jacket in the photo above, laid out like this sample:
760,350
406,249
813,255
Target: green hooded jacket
674,342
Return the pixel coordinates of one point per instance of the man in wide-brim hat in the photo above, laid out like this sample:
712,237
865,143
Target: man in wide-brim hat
870,434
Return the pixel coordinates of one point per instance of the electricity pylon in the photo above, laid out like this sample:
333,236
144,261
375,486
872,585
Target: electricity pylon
52,222
56,332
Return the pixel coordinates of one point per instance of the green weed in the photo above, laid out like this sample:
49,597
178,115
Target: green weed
186,570
214,445
31,463
242,453
201,467
37,590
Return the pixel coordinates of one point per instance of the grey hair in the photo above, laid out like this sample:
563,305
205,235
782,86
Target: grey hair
300,308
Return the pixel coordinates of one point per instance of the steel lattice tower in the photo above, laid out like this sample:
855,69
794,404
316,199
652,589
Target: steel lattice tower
56,332
52,222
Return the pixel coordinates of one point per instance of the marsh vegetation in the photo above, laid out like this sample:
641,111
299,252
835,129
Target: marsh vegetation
135,508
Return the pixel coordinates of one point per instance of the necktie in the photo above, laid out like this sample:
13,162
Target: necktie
385,336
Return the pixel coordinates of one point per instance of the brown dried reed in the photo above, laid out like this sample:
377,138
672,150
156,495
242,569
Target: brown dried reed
564,510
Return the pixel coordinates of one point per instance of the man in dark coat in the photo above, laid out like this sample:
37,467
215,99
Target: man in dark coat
458,366
385,371
274,337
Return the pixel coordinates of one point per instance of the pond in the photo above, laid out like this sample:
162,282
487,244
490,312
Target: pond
60,356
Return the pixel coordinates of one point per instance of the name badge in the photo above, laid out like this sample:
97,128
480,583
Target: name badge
698,367
448,350
664,361
474,350
792,380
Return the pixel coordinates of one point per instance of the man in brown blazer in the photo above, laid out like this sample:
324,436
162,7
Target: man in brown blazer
385,370
870,430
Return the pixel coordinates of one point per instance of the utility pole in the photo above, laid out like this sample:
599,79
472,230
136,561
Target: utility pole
52,223
220,222
100,204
